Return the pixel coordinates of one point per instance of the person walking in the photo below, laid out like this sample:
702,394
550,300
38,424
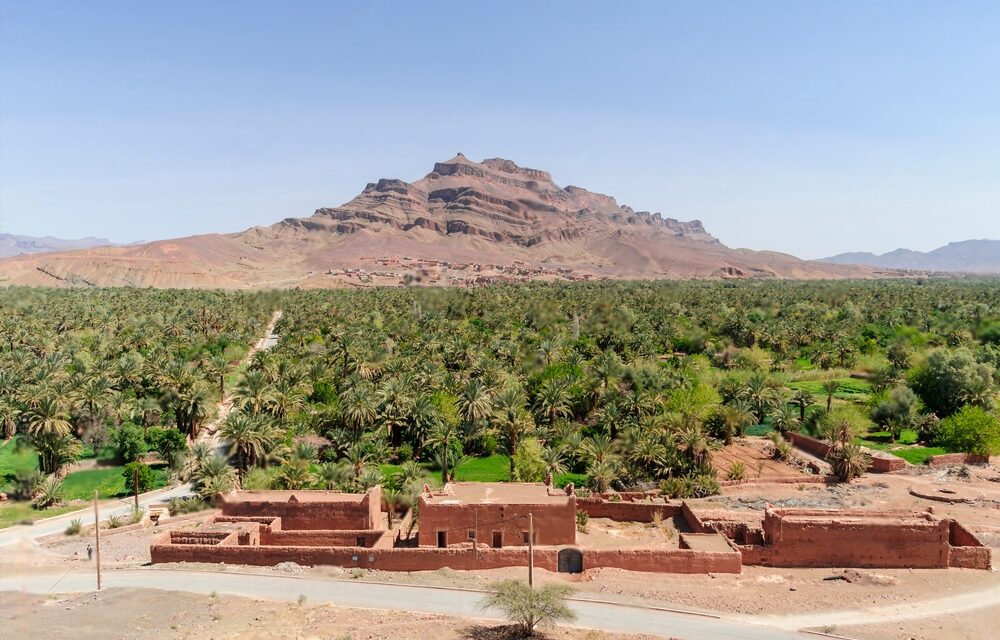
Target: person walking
90,552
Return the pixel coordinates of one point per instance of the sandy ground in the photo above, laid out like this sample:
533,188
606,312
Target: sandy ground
970,625
149,613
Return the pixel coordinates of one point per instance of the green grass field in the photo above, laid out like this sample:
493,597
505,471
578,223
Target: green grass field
847,388
12,513
905,447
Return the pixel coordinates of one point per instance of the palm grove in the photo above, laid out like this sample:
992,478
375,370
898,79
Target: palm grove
613,384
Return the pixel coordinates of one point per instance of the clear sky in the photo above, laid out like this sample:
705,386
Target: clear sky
807,127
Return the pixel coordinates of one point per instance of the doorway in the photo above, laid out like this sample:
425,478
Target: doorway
497,539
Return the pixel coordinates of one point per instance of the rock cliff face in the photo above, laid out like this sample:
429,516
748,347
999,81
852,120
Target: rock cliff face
495,218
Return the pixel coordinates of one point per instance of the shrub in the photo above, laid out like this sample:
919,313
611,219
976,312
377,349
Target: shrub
190,504
48,492
74,527
951,379
529,465
737,471
140,471
971,430
128,442
781,449
404,453
848,461
582,518
115,520
529,608
166,442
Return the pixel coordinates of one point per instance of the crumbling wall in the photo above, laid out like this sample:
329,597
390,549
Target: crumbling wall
625,511
946,459
847,539
809,444
321,538
304,512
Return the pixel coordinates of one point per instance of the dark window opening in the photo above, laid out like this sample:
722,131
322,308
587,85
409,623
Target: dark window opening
497,539
442,539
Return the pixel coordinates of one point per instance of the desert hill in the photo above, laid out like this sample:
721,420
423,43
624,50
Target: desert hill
969,256
464,222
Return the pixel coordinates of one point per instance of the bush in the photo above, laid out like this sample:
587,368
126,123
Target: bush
582,518
529,465
166,442
115,520
737,471
190,504
74,527
145,475
404,453
48,492
528,608
971,430
128,442
951,379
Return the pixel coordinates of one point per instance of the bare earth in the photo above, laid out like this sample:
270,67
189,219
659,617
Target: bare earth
149,613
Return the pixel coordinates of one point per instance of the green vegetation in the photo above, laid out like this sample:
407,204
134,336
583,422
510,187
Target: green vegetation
528,607
606,385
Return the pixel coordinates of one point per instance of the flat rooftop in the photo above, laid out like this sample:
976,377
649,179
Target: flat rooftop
300,496
496,493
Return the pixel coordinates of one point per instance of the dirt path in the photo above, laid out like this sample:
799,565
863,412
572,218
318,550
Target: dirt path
209,431
916,609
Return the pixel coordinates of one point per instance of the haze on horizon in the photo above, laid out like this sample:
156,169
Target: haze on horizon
798,127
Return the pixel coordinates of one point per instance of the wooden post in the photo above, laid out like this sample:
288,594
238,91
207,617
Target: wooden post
97,535
531,552
135,485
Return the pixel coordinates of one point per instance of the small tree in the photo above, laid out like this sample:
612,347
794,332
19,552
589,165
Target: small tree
530,608
848,461
128,442
145,475
166,442
971,430
528,462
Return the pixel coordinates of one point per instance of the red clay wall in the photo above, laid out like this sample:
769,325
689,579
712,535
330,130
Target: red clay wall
885,463
320,538
809,444
427,559
314,514
625,511
970,558
846,542
946,459
554,524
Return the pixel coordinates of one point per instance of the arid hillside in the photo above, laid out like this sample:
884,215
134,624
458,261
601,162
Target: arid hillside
464,222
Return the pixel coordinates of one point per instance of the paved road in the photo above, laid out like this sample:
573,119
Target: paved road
366,595
17,533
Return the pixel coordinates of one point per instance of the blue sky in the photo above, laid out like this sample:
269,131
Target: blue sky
805,127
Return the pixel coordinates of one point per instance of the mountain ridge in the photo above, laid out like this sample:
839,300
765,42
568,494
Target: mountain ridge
464,222
966,256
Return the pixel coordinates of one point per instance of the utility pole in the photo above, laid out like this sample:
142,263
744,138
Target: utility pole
97,534
531,552
135,485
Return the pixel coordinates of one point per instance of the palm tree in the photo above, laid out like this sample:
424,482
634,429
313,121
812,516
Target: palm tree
295,474
553,401
56,450
47,418
830,386
358,408
602,474
733,418
214,476
247,438
254,392
476,402
784,419
803,399
513,421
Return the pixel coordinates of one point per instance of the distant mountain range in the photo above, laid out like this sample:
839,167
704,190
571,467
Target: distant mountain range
465,222
13,245
969,256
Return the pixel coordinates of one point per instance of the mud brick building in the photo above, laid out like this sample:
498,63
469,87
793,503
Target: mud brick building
496,514
309,510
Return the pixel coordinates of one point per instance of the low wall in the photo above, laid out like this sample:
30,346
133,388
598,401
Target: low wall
809,444
429,559
885,463
946,459
970,558
320,538
625,511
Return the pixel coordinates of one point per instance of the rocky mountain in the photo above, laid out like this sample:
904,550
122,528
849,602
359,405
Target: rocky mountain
14,245
969,256
464,222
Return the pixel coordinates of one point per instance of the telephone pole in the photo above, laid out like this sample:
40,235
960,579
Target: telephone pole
135,486
531,552
97,535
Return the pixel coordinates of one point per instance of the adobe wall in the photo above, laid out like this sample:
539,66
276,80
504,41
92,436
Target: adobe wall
626,511
885,463
970,558
946,459
553,524
321,538
304,513
840,540
809,444
429,559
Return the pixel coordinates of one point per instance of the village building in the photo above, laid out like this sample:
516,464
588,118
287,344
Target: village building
496,514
